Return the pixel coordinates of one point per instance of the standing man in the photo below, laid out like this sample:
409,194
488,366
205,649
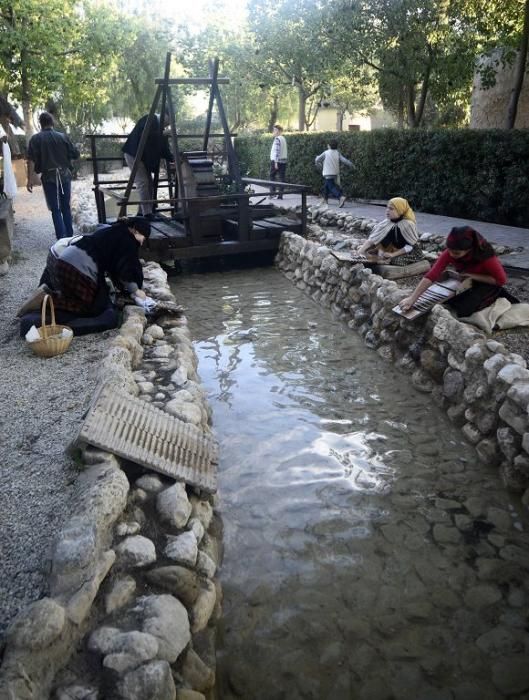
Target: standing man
278,161
50,154
156,147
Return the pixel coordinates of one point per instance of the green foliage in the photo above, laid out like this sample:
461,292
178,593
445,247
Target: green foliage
479,175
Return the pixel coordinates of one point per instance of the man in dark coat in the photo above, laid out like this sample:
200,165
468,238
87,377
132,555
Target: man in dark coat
156,148
50,154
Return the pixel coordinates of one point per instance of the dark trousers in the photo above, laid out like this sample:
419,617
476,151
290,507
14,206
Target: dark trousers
331,189
278,174
478,297
58,201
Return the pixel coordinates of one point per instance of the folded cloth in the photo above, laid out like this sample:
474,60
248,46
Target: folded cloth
500,315
148,304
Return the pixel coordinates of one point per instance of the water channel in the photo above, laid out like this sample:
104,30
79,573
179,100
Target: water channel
367,554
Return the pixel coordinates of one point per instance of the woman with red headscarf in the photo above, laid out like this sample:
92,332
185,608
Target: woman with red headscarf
473,257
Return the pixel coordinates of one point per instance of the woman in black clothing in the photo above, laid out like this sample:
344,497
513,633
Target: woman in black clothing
76,268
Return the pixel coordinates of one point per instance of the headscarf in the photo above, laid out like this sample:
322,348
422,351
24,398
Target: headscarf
403,209
405,223
467,238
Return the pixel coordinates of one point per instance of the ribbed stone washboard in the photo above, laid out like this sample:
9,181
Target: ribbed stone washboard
133,429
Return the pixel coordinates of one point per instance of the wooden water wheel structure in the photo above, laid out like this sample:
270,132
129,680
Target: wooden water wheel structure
198,213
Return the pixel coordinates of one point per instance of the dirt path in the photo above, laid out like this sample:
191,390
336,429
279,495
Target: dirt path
42,402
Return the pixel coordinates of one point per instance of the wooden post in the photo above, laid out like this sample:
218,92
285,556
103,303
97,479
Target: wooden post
214,73
139,153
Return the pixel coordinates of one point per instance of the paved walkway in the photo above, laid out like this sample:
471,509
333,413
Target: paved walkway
433,223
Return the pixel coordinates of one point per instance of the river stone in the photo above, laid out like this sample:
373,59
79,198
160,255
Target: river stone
120,593
500,518
471,433
206,565
511,674
38,625
184,411
77,692
155,331
515,554
136,551
447,504
457,362
153,681
187,694
487,451
179,377
463,522
182,548
196,673
482,596
203,607
80,602
514,373
446,534
146,387
151,483
196,528
173,505
202,510
182,582
101,639
457,414
130,528
166,618
514,416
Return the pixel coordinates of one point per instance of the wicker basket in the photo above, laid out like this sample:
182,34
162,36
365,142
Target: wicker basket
51,343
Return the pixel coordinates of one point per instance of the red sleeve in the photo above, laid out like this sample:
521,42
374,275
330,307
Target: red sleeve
494,268
439,266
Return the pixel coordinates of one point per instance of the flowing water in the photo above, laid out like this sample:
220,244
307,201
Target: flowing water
367,553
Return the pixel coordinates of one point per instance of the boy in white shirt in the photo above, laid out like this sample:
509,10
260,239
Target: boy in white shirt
278,161
331,159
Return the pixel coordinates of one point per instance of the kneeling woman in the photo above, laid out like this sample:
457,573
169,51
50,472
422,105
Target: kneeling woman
75,273
472,256
395,240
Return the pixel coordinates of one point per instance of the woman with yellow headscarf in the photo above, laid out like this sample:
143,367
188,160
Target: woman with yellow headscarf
395,240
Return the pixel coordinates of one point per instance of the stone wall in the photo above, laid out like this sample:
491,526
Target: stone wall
483,388
133,598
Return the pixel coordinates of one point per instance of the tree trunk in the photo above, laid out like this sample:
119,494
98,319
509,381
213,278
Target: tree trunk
519,73
274,109
400,112
424,92
26,98
410,95
302,107
339,120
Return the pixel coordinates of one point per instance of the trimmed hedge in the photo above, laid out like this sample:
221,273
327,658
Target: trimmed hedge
473,174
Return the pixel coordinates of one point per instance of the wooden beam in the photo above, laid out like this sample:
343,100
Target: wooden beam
190,81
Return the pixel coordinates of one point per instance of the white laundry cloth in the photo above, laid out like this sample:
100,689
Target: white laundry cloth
10,183
500,315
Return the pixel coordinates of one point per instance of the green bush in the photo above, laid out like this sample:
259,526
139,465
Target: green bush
481,174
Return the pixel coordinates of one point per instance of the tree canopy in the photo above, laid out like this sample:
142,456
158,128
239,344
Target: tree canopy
88,60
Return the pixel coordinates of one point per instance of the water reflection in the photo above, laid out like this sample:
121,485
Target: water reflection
359,561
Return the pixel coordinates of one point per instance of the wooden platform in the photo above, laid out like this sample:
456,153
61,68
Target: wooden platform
220,234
